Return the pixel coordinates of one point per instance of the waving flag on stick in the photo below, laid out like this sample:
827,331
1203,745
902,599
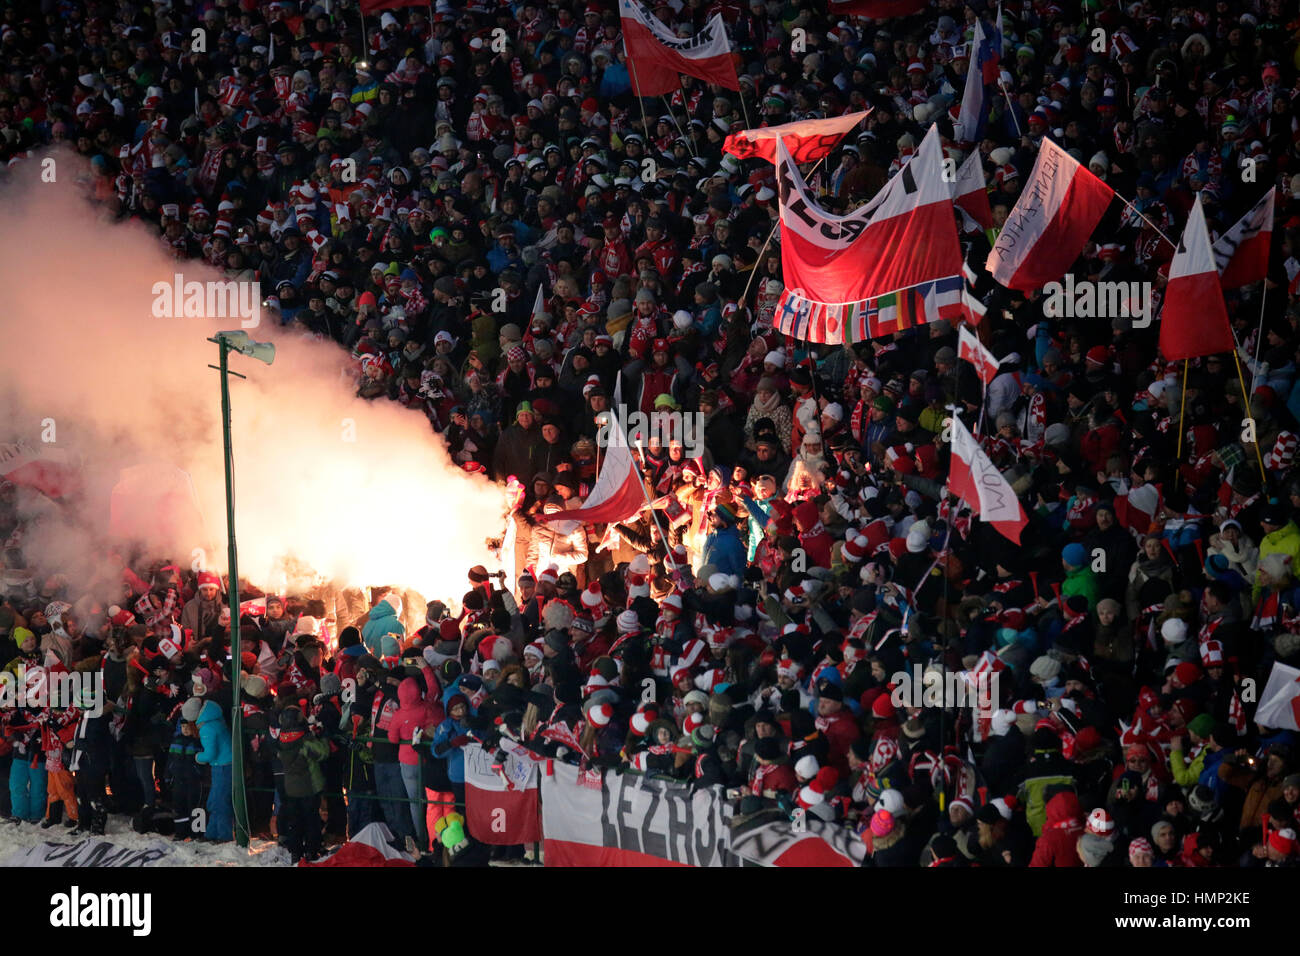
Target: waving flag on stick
1241,253
975,480
972,350
1194,319
805,140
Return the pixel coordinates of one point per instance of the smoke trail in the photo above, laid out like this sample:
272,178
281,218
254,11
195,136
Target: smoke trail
363,492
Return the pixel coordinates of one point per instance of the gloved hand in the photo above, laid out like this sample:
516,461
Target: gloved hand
461,741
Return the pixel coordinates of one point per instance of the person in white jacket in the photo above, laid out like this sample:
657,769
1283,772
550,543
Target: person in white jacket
1231,542
553,542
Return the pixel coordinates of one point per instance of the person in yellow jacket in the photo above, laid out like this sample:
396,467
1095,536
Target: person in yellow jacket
1187,766
1281,536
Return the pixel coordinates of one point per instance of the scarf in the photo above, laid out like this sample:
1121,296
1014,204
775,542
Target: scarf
766,409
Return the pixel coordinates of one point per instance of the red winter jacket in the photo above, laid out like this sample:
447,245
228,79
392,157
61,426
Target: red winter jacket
1057,845
415,712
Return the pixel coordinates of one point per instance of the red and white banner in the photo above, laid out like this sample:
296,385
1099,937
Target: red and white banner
611,819
775,842
975,480
1055,215
971,196
501,805
972,350
656,55
1241,253
1194,318
51,471
1279,705
903,238
805,140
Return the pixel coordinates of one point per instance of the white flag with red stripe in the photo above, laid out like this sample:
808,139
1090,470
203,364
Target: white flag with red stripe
1194,318
1055,215
1241,253
975,480
972,350
656,55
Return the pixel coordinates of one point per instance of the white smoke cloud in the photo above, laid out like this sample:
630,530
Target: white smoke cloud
82,347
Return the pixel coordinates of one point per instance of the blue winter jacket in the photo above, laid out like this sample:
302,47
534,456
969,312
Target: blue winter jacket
383,620
723,550
1210,772
443,750
214,736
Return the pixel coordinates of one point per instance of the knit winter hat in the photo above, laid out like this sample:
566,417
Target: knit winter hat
1174,630
1045,668
190,709
1075,555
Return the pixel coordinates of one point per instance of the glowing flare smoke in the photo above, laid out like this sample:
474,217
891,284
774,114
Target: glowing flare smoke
123,388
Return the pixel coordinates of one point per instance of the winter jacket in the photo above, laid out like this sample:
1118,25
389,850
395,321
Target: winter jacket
1056,846
1285,540
214,736
445,747
1081,581
1046,769
415,711
383,620
723,550
301,760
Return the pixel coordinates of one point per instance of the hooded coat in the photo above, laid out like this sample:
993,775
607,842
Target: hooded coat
1056,847
416,709
383,620
214,736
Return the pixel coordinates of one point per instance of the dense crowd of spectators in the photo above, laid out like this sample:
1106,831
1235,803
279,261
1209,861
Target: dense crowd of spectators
409,196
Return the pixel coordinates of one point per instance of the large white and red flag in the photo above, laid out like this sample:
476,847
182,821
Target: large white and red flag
1055,215
501,799
656,55
971,196
1241,253
805,140
972,350
1194,318
905,238
975,479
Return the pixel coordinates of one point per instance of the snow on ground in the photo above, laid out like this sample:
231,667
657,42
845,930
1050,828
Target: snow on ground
14,838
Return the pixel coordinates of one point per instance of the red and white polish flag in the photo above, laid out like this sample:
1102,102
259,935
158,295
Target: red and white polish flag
976,480
501,805
972,350
1194,318
656,55
1241,253
1052,220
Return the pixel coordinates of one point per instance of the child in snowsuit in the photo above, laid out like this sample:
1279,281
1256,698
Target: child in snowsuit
216,753
183,777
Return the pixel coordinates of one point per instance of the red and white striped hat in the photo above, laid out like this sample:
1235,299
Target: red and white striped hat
591,598
600,715
551,574
1283,452
692,723
641,723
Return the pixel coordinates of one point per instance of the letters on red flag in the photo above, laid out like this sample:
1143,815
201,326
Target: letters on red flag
1056,213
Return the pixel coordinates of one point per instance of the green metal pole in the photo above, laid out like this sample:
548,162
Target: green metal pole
236,723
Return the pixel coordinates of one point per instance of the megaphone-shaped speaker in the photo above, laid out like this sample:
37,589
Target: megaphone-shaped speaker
262,351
